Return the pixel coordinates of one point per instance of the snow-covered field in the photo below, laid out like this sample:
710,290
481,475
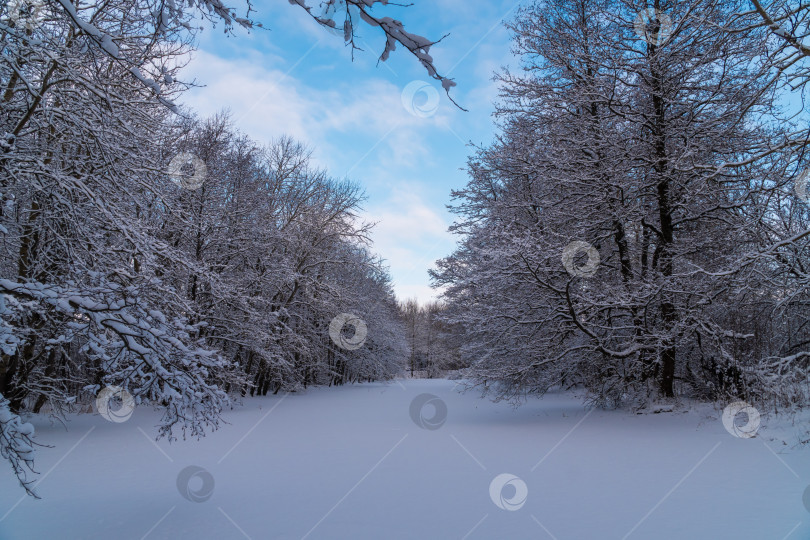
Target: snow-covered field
351,463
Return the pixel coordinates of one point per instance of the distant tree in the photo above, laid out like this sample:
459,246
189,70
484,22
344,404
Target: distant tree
410,312
430,339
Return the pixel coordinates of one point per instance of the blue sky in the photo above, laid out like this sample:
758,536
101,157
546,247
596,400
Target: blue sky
299,79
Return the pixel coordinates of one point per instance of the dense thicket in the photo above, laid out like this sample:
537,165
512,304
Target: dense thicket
169,256
635,227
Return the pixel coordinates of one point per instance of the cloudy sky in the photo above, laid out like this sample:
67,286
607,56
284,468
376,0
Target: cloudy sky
387,126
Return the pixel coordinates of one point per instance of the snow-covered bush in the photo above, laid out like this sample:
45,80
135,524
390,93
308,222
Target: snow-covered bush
16,445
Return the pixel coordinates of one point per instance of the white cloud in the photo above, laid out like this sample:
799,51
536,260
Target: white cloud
262,103
266,103
422,293
410,235
346,124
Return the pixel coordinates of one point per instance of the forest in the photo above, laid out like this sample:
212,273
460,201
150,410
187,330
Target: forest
639,227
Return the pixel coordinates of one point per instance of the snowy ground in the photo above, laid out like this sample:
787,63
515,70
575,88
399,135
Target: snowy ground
350,463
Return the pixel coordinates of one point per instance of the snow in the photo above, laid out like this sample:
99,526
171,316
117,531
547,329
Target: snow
349,462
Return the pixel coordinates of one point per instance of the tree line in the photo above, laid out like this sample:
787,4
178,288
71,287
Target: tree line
640,225
168,256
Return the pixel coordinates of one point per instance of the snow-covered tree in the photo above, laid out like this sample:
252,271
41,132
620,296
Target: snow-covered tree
430,339
119,267
789,22
634,229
